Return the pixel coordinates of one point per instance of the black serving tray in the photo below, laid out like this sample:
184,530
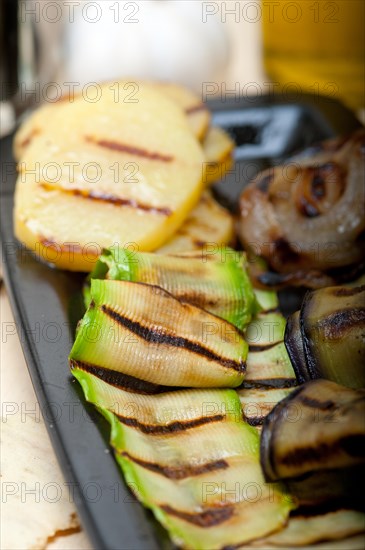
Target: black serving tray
47,303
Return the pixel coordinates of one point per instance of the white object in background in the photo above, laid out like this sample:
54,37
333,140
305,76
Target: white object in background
160,39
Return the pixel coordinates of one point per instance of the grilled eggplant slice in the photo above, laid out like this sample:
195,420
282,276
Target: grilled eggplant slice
142,331
194,461
331,422
219,285
327,339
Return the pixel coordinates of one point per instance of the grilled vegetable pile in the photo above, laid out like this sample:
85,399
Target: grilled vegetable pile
186,449
156,323
196,372
122,169
306,217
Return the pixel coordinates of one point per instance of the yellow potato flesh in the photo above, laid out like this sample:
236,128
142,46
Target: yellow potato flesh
208,222
106,173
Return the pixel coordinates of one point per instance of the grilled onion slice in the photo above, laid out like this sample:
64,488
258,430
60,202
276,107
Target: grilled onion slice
306,217
320,425
326,338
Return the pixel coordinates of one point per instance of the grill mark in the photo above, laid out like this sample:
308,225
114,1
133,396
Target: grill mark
316,404
173,427
130,149
348,292
109,198
120,380
352,445
195,109
179,472
269,384
255,348
335,325
159,337
30,136
208,518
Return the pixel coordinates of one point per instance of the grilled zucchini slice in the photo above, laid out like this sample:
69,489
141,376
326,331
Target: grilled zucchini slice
216,282
142,331
194,461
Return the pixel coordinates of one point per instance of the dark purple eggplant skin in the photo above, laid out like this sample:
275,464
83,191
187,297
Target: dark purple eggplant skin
294,346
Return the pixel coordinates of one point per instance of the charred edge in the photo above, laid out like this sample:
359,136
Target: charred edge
257,348
284,251
195,109
254,420
159,337
179,472
294,346
124,148
173,427
111,199
208,518
347,292
269,384
335,325
119,380
352,445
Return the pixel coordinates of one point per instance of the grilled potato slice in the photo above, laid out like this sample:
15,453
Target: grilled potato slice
197,114
104,173
208,222
218,150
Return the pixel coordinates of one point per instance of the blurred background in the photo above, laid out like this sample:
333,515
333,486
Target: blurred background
217,48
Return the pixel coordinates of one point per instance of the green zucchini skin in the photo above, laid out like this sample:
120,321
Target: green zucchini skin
142,331
331,422
193,461
216,282
326,340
